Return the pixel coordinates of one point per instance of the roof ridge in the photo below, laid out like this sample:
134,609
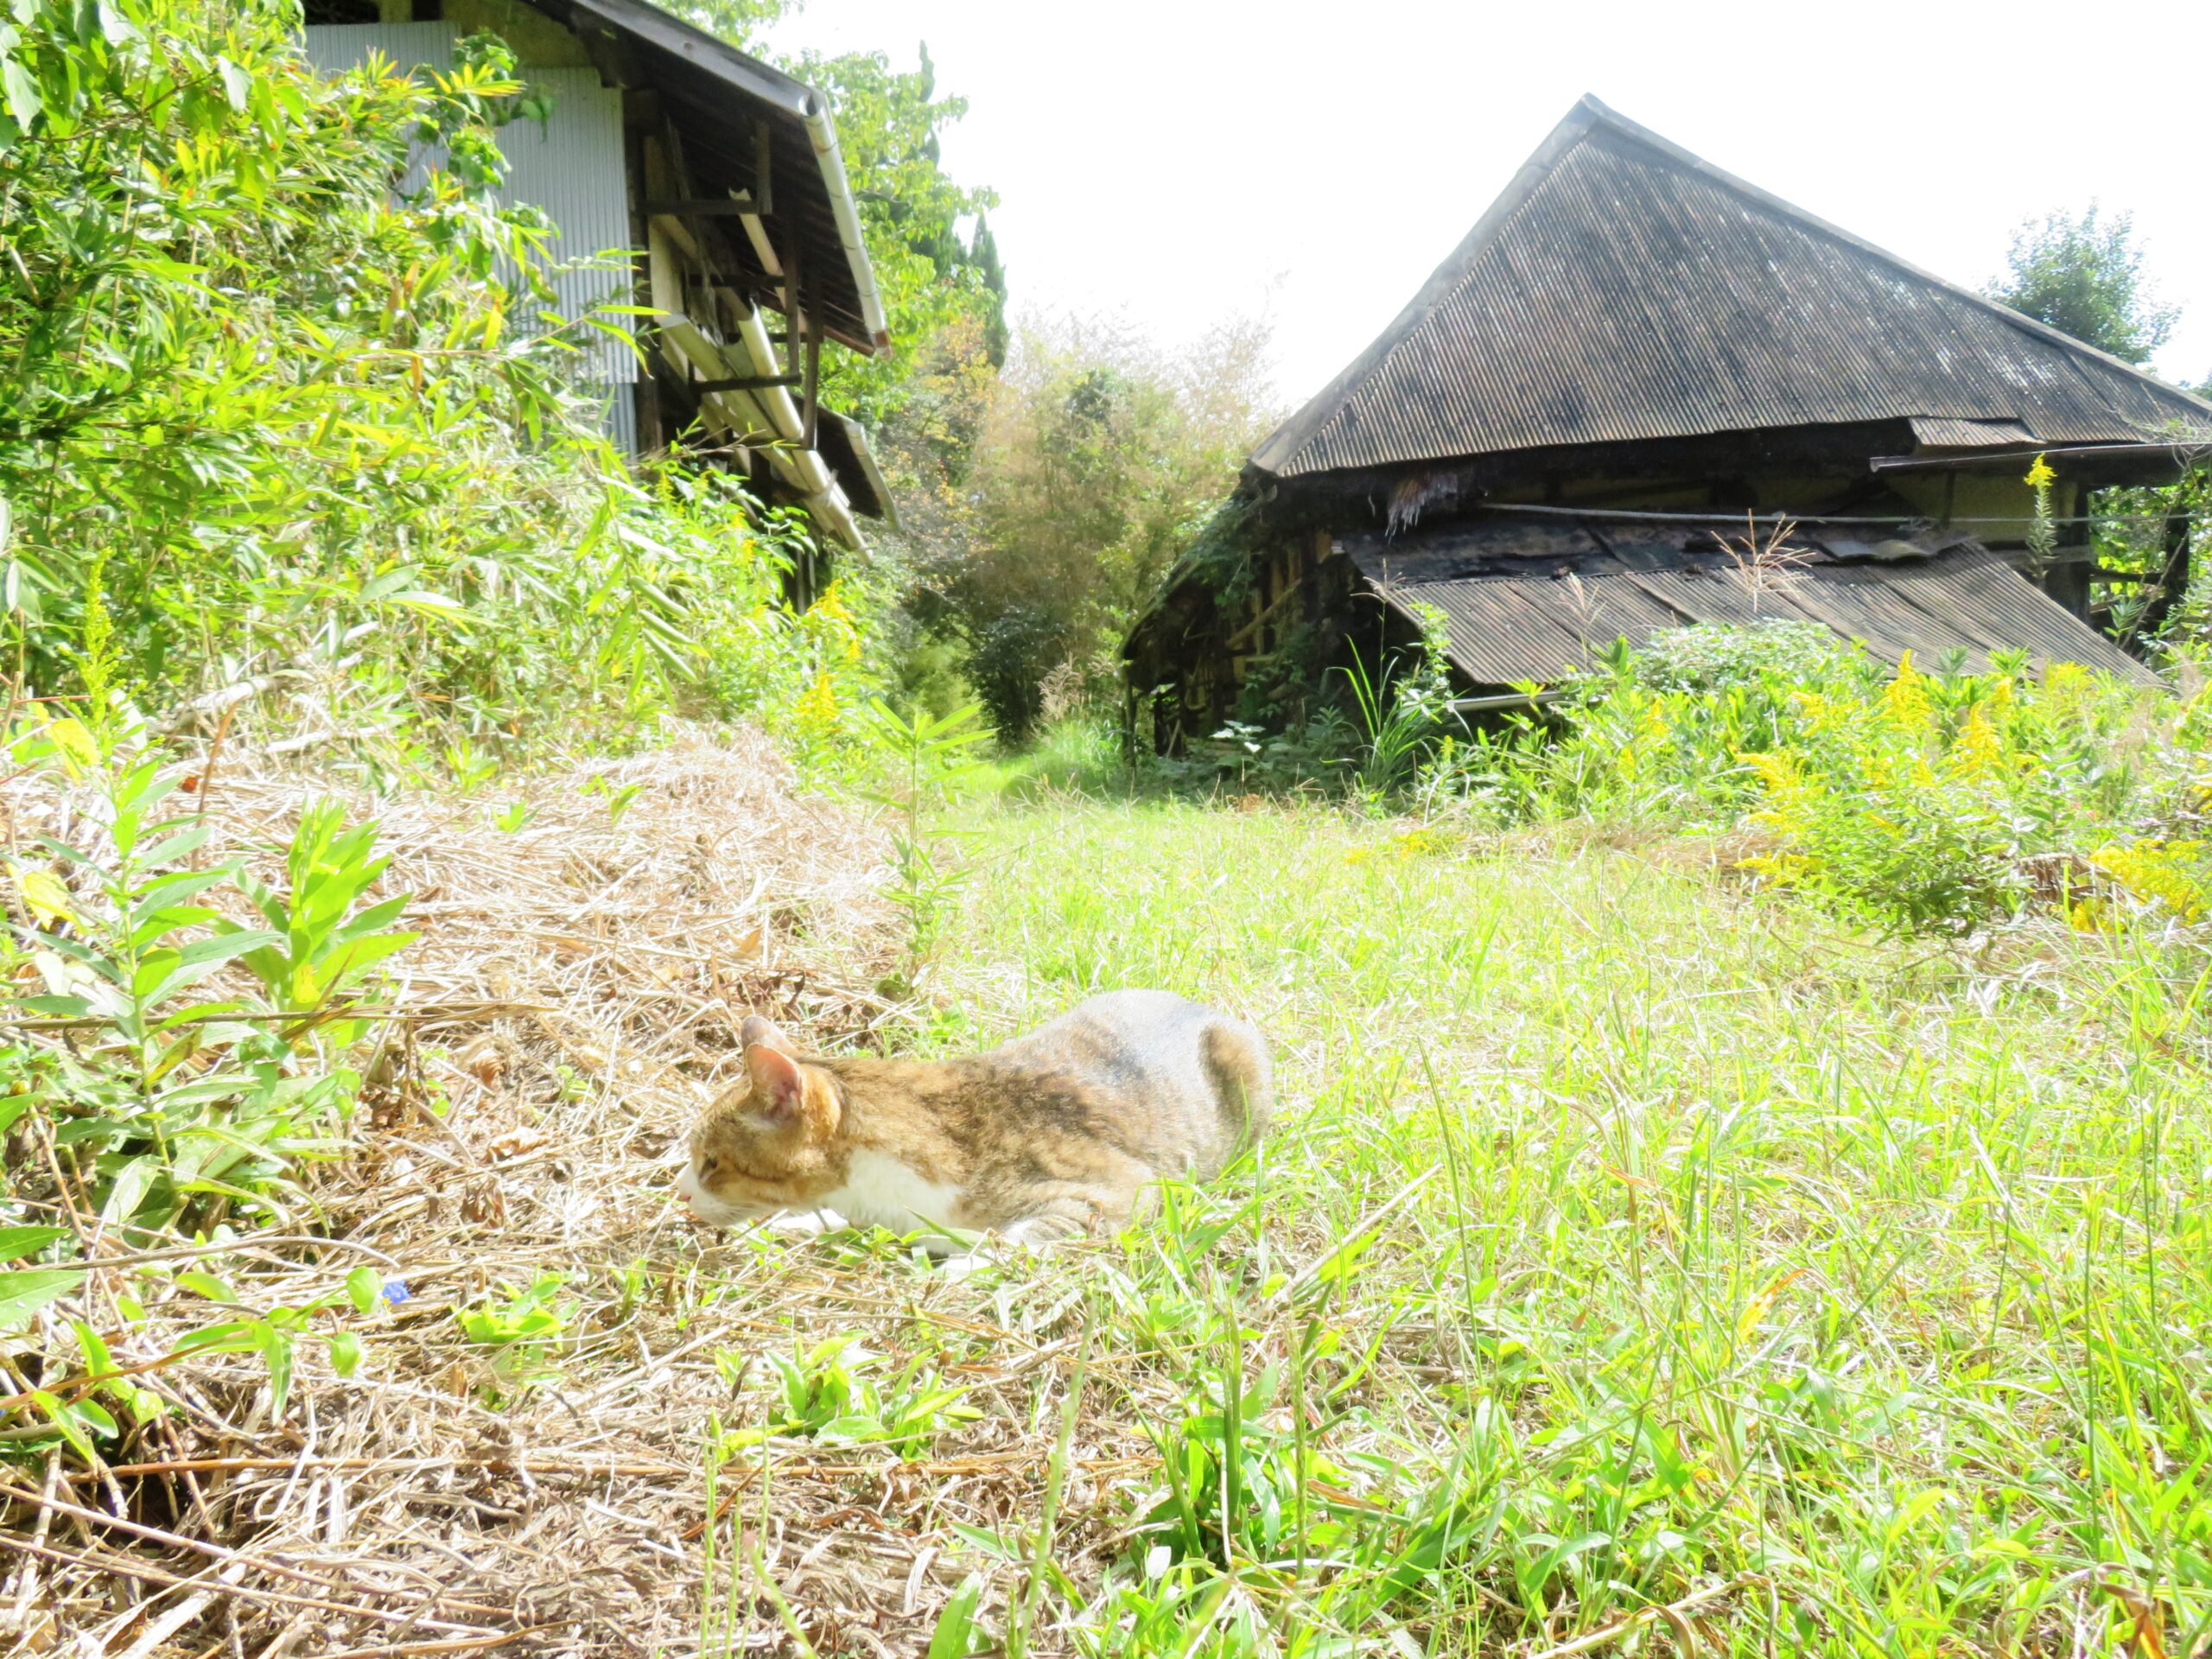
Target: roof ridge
1280,450
1606,115
1295,433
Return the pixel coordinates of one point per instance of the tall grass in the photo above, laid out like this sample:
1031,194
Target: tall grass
1637,1257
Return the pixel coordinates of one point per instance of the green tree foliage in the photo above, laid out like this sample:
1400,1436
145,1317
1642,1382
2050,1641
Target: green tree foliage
889,125
271,407
1096,461
2084,275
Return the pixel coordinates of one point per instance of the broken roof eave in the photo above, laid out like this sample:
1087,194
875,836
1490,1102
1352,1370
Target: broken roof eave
654,34
1512,618
2096,463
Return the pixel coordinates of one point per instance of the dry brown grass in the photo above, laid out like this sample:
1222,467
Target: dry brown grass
575,999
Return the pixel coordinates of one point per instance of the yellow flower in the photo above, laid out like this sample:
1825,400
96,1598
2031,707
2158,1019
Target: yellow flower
818,714
2040,477
2174,872
1906,698
1979,752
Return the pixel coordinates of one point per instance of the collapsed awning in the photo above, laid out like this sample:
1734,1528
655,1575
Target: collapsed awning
758,145
1528,600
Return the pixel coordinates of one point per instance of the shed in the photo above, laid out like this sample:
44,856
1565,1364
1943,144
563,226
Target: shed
689,177
1634,361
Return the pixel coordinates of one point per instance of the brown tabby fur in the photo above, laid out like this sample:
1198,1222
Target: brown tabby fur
1052,1135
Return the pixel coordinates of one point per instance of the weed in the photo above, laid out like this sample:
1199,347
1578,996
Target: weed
836,1392
519,1330
925,755
1633,1255
170,1103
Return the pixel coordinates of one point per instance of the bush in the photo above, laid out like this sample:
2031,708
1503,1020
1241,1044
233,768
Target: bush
1915,800
296,424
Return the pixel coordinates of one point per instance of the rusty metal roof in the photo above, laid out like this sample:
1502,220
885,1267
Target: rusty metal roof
1622,290
1935,432
1532,600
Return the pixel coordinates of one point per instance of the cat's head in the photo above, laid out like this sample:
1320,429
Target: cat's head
764,1145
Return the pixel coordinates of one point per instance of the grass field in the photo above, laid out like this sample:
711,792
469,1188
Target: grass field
1641,1261
1636,1257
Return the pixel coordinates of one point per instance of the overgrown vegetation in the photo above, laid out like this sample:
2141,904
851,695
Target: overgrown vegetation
1741,1184
1914,800
275,428
1094,459
1643,1258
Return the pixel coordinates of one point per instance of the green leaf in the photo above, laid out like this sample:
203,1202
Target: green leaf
234,1335
237,83
182,844
345,1352
207,1285
19,1242
426,603
23,1292
364,1287
223,947
65,1422
277,1353
132,1182
955,1625
98,1362
24,102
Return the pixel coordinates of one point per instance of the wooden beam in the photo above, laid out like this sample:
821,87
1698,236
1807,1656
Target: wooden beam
795,324
764,173
744,383
811,406
704,208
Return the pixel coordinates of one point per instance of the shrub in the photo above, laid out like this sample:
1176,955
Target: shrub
1915,800
289,417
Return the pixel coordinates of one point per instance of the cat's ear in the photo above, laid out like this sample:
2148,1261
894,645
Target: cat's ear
778,1087
765,1033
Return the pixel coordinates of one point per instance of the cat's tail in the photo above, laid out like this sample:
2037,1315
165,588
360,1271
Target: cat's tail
1242,1077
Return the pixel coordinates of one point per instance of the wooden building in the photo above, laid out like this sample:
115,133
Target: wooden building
687,176
1606,405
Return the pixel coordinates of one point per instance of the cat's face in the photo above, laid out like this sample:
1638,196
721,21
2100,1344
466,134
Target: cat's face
764,1145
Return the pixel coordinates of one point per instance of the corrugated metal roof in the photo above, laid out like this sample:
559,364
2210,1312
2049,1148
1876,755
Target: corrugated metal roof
1939,432
1622,290
714,95
1527,602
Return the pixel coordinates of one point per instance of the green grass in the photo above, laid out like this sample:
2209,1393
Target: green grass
1629,1240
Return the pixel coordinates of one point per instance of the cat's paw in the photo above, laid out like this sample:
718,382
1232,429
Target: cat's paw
965,1264
805,1223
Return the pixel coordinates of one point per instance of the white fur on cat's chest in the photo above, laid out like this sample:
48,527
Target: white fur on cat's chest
881,1191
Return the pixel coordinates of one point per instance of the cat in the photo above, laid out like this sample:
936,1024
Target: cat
1054,1135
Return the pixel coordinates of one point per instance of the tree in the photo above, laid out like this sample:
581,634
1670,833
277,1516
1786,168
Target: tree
274,423
2084,277
1098,459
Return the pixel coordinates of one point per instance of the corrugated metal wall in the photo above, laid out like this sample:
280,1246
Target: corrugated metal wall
571,167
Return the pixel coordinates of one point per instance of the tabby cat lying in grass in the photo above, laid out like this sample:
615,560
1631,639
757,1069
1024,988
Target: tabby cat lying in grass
1052,1135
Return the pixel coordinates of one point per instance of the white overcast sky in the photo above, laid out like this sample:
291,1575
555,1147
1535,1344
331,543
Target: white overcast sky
1175,162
